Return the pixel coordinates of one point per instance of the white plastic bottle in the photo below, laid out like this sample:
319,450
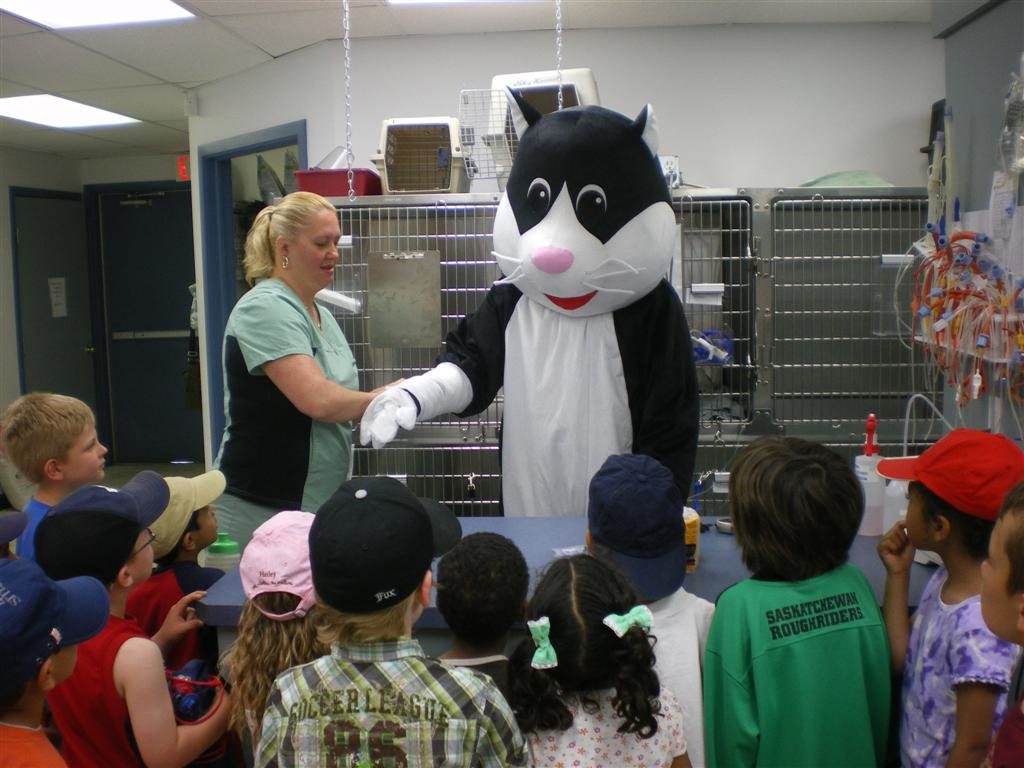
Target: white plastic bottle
872,483
224,553
895,503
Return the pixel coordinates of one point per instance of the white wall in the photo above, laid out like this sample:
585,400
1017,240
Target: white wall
38,171
742,105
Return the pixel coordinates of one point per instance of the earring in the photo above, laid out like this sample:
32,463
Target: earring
284,262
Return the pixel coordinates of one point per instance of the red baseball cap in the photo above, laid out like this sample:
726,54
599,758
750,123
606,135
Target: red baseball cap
968,469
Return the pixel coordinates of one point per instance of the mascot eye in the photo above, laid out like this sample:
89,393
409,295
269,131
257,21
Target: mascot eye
591,201
538,196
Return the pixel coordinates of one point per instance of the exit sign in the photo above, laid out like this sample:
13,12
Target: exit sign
183,174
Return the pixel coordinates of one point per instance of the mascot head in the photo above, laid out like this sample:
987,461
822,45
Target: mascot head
585,225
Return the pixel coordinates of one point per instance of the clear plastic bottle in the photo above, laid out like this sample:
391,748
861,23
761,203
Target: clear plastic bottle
872,483
224,553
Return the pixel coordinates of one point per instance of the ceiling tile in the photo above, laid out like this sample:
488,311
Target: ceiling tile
9,127
178,125
177,51
46,61
140,135
7,88
143,102
12,25
281,33
61,143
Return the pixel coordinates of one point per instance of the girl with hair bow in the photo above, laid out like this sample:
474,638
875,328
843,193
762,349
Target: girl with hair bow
583,685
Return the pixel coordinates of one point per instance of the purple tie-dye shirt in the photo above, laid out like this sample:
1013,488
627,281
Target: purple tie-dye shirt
949,645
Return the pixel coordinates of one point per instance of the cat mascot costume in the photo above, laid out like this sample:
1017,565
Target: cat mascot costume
583,332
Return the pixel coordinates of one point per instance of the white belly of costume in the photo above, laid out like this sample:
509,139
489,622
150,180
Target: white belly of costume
566,409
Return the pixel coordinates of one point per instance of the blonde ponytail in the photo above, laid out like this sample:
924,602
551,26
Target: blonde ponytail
282,219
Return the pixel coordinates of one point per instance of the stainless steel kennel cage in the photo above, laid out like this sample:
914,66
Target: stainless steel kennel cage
789,283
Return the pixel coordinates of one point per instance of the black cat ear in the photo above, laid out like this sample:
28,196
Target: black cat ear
646,126
523,115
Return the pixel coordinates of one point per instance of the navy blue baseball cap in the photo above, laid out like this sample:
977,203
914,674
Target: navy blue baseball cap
636,515
39,616
92,531
11,526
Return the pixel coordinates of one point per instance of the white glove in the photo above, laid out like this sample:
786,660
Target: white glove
391,409
444,389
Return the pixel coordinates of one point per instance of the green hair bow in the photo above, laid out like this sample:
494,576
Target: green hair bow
621,623
544,657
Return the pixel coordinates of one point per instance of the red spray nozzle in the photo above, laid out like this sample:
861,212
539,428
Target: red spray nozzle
870,446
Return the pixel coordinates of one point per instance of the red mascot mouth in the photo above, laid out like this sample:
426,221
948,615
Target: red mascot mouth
571,302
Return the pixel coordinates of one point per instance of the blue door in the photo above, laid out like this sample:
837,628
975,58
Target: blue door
148,266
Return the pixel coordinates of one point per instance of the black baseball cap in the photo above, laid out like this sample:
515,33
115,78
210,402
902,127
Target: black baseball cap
372,542
92,531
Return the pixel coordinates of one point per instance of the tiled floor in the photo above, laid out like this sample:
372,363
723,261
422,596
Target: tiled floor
118,474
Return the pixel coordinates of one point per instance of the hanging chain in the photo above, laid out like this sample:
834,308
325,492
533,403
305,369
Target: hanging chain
346,23
558,48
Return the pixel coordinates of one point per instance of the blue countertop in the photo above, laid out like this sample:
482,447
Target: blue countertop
541,539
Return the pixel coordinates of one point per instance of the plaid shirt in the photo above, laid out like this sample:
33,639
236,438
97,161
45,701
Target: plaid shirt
385,705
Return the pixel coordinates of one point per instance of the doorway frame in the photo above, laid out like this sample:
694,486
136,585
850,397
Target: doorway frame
218,237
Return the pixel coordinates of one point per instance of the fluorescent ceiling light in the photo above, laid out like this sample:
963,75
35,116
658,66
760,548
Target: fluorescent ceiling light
58,14
58,113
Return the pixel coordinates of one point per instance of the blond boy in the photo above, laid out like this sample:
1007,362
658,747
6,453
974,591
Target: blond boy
116,708
1002,608
52,440
376,699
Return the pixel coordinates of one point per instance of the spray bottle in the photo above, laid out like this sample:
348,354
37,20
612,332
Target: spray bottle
871,482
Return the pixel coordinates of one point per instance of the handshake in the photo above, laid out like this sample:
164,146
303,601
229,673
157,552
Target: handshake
444,389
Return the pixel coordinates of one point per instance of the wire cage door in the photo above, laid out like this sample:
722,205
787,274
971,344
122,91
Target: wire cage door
840,349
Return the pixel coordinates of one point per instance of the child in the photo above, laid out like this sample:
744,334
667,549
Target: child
796,670
635,522
186,528
41,622
955,671
583,685
52,440
1002,608
376,699
11,526
481,592
275,630
116,709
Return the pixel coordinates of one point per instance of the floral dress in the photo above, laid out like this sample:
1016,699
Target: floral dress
593,739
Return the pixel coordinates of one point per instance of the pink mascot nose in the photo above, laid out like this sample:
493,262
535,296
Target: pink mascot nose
552,260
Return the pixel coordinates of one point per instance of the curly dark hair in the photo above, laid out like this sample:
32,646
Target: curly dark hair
481,588
576,593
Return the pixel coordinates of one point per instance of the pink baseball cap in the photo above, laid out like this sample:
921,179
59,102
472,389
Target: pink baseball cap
968,469
276,559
